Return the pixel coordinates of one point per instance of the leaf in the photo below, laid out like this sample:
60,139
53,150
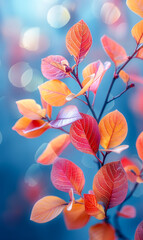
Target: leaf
139,145
90,81
124,76
30,109
72,200
79,41
48,107
52,67
66,116
140,54
118,149
127,211
54,149
137,32
102,231
99,70
110,184
116,52
47,208
77,217
30,128
139,232
66,175
131,169
84,134
92,208
54,92
113,129
136,6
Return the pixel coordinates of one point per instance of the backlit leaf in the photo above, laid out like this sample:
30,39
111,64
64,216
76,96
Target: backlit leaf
127,211
47,208
48,107
140,53
114,50
54,149
124,76
30,109
30,128
99,70
66,116
79,41
102,231
131,169
137,32
113,129
54,92
139,232
110,184
136,6
66,175
118,149
77,217
139,145
52,67
92,208
84,134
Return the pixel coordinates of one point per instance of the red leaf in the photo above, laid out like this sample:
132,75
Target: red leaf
127,211
139,145
77,217
78,41
66,175
54,67
110,184
66,116
116,52
47,208
54,149
139,232
102,231
92,207
85,135
131,169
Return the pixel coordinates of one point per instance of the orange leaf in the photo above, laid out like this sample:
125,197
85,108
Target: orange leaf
47,208
140,53
127,211
54,92
54,149
66,175
137,32
102,231
30,109
136,6
113,129
139,145
139,232
30,128
79,41
115,51
92,208
110,184
124,76
48,107
77,217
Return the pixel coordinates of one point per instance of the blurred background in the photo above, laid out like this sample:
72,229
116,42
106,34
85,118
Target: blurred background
31,30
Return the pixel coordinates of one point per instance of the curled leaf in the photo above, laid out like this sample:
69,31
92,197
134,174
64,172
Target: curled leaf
47,208
66,175
54,92
77,217
78,41
84,134
30,109
66,116
113,129
114,50
54,149
110,184
54,67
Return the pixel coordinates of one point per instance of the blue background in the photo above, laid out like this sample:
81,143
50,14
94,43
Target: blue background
17,154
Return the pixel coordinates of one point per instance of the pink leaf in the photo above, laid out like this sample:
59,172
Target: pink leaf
127,211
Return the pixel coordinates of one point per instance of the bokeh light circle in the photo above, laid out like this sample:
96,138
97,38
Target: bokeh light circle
58,16
110,13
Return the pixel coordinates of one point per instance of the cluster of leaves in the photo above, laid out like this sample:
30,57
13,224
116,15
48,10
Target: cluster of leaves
87,133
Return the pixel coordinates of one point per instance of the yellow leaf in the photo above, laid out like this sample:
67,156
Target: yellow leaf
137,32
124,76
